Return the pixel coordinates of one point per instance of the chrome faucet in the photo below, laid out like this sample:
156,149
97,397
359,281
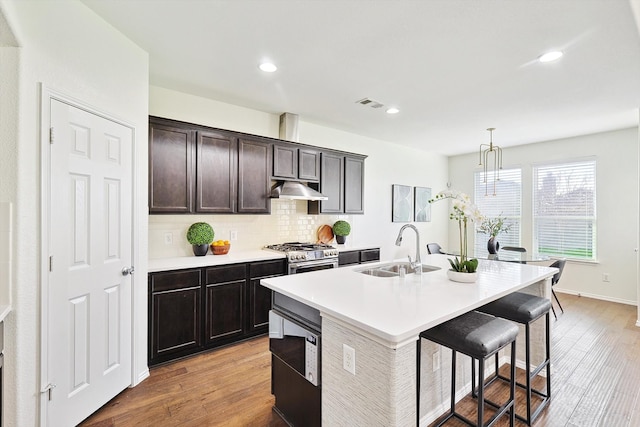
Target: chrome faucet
417,265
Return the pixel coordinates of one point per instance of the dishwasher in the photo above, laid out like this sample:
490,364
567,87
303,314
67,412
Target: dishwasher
294,342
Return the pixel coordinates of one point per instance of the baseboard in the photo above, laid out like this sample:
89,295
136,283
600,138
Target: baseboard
595,296
141,377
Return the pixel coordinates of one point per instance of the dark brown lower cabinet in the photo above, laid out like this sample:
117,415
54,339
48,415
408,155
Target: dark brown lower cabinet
358,256
174,314
197,309
259,296
225,307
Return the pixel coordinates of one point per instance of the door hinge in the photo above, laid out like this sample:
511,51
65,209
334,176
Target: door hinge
51,263
48,389
51,135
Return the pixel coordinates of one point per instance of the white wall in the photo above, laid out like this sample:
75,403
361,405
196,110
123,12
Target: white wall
385,165
617,189
65,46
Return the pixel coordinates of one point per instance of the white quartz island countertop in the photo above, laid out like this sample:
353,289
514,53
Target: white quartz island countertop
393,310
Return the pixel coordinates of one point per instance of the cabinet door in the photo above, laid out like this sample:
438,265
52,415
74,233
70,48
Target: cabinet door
353,185
225,303
216,172
285,161
224,311
308,165
259,296
369,255
332,183
348,258
171,162
254,172
174,315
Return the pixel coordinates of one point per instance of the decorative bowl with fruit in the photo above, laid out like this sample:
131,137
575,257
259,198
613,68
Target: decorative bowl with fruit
220,247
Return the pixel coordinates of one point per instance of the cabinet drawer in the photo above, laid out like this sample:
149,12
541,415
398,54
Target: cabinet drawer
160,282
369,255
226,273
267,268
349,257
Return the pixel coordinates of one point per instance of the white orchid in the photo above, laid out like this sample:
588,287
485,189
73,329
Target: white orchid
463,211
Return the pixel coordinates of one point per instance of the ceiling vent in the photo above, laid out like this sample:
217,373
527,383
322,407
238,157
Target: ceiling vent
370,103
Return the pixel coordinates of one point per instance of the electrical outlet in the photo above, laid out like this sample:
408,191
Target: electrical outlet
349,359
605,277
436,361
233,235
168,238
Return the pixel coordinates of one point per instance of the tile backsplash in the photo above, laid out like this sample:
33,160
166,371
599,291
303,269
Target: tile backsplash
288,222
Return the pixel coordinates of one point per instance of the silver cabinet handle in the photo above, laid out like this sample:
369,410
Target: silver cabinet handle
127,271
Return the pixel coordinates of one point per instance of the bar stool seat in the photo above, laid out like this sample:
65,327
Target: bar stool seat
479,336
524,309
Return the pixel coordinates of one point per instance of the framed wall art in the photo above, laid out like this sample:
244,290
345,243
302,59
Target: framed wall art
422,207
402,205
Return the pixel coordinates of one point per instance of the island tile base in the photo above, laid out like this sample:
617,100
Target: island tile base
367,398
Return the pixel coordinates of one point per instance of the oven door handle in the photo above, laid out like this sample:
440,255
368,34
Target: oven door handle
293,267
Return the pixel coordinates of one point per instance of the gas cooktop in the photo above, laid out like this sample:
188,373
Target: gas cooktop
297,251
297,246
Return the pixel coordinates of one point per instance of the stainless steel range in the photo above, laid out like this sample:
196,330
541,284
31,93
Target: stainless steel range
304,257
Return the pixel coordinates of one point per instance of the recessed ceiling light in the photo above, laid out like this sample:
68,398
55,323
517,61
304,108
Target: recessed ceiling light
392,110
268,67
550,56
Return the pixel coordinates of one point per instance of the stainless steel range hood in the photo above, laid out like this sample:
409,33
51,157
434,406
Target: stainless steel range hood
293,189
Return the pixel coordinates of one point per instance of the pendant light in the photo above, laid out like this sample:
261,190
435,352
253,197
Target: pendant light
491,152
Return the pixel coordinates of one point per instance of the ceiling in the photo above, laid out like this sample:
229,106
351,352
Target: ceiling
453,67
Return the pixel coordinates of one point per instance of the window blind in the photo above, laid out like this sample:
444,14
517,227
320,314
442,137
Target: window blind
507,203
564,209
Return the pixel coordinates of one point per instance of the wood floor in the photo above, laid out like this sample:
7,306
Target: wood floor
595,379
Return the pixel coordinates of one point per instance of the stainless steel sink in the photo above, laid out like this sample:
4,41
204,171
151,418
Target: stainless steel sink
377,272
393,269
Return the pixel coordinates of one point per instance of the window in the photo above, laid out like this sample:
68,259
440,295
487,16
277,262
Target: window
564,210
506,203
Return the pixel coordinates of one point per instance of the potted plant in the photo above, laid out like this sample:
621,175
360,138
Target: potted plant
493,227
462,269
200,235
341,229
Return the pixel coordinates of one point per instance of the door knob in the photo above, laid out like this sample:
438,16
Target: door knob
127,271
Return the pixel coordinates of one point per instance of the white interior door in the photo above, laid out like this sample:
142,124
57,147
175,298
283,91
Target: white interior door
89,304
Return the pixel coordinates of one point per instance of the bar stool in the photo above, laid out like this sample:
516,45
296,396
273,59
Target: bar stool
479,336
524,308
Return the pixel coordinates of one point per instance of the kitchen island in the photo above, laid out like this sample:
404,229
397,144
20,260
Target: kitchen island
381,318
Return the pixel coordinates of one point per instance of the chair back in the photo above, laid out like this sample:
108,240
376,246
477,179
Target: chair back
513,248
559,264
434,248
523,259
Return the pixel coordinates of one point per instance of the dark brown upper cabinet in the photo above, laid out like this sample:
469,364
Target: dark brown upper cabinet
331,185
353,185
196,169
292,162
171,167
342,181
254,171
216,166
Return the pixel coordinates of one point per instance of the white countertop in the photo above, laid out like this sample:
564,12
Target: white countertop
233,257
394,311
